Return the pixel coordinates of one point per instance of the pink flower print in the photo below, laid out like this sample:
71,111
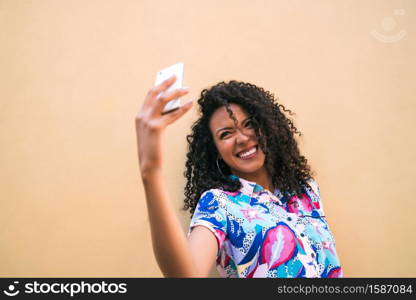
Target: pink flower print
251,214
335,273
305,201
302,203
232,194
293,205
279,245
316,204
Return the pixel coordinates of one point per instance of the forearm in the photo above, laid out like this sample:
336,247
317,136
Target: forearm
170,244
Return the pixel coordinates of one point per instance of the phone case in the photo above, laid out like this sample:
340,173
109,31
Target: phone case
178,70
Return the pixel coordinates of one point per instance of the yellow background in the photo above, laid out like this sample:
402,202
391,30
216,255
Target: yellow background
73,75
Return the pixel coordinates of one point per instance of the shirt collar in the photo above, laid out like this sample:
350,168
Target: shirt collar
250,188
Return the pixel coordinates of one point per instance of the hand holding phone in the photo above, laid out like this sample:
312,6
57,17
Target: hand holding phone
150,121
177,70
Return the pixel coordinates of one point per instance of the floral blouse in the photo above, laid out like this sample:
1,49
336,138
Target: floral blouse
260,234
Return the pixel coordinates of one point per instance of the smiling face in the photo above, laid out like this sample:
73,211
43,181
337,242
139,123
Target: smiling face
237,144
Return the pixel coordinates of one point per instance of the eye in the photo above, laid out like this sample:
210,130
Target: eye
249,124
224,134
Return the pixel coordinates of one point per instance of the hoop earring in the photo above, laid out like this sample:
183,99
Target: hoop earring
219,169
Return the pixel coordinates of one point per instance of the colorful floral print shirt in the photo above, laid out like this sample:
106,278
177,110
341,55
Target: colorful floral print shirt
261,234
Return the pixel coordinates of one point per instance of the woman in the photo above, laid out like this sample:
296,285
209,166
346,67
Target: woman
256,209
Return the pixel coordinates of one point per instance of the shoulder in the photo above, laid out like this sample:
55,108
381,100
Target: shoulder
313,185
211,210
213,198
314,194
214,193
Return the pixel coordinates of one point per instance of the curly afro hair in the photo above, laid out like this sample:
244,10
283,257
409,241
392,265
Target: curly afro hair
288,169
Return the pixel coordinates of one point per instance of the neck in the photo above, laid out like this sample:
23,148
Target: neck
261,177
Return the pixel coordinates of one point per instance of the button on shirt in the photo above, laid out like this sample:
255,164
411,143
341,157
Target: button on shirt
264,234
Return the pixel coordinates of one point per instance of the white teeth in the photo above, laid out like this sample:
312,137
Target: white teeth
247,153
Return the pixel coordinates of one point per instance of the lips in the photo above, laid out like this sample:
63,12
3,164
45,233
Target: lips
248,153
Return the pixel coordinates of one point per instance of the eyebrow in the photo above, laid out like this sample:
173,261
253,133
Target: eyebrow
232,127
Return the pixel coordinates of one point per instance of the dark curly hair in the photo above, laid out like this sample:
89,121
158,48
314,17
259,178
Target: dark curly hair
288,169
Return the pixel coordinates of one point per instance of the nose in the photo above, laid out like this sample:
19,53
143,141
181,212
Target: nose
242,137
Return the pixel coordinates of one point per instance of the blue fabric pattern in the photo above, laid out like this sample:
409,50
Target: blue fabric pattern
264,234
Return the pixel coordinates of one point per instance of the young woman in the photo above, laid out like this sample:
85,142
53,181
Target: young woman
256,209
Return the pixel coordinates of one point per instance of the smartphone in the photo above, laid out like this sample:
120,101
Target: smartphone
164,74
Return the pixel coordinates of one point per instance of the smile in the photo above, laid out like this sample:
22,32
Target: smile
247,154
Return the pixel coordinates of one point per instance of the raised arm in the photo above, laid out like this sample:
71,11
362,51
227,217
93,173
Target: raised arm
176,255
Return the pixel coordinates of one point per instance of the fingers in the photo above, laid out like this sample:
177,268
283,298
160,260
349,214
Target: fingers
173,116
163,86
156,100
165,98
156,90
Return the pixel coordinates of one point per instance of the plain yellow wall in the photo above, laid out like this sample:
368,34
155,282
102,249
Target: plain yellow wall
73,75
